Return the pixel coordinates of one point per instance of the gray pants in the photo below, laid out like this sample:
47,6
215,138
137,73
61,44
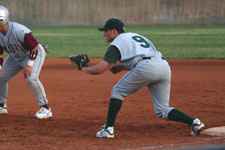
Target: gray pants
154,73
11,67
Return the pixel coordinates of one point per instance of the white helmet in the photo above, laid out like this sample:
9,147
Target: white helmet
4,15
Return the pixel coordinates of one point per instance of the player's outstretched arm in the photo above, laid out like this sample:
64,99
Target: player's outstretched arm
97,69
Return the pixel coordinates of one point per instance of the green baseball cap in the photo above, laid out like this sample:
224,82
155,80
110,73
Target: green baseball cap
113,23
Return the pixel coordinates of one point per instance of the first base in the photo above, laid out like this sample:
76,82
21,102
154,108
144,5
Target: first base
215,131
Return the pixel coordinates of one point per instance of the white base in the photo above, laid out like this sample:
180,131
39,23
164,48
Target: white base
215,131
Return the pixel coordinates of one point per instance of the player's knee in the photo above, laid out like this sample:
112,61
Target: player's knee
32,81
3,80
116,94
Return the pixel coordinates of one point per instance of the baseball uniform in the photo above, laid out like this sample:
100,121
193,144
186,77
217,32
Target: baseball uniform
147,67
19,43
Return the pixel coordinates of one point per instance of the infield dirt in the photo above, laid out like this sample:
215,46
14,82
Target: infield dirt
79,103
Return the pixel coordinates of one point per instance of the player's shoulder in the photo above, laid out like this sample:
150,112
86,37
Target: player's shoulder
121,37
126,35
17,27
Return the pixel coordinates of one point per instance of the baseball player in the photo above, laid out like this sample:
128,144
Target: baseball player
24,52
147,67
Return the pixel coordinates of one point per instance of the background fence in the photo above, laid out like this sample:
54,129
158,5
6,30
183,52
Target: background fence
132,12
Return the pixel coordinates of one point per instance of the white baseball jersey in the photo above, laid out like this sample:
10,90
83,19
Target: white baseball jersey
132,47
13,41
15,45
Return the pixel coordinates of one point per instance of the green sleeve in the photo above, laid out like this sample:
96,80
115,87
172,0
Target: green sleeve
112,54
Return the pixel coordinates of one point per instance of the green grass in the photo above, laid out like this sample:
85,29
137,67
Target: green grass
174,42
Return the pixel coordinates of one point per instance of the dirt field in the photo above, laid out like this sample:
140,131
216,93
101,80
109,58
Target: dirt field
80,101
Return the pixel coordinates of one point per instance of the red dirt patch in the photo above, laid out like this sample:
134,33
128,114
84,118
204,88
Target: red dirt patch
80,101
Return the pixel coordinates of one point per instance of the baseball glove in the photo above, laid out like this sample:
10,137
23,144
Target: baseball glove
80,61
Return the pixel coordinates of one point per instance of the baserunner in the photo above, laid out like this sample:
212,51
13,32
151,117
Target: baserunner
24,53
